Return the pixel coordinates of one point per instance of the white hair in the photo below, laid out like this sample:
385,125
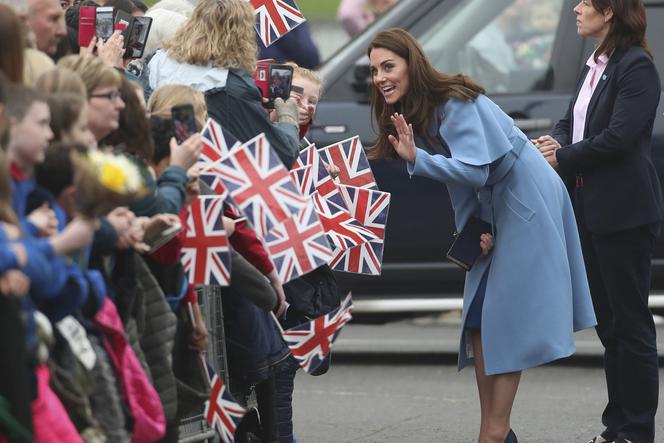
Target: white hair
180,6
165,24
20,7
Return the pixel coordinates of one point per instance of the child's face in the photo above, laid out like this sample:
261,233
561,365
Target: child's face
307,101
30,136
80,132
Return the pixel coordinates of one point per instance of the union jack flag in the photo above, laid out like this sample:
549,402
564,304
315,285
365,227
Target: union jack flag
349,156
222,412
320,179
217,143
260,185
343,231
310,343
370,208
275,18
298,245
205,253
303,180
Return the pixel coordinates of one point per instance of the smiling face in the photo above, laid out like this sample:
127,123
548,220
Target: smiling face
307,100
389,73
590,22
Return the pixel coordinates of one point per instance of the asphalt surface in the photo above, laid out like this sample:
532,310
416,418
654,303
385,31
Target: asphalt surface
398,383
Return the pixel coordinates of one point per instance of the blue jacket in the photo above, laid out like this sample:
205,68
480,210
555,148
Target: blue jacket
537,293
620,183
296,46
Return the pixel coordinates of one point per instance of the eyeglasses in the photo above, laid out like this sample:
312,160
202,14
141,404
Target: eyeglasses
112,96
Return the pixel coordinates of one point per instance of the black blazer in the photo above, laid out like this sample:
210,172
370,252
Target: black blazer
621,187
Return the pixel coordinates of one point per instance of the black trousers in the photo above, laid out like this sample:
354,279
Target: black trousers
618,266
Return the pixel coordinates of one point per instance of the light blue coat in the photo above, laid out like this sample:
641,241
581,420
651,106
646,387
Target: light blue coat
537,293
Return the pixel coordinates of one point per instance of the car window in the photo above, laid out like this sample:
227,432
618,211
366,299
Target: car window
505,45
655,35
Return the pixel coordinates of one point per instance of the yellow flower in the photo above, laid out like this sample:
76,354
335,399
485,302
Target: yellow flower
112,177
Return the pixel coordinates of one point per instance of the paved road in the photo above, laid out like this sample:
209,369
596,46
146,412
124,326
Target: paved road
433,403
398,383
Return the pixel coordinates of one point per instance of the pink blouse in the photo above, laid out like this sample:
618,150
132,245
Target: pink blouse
593,77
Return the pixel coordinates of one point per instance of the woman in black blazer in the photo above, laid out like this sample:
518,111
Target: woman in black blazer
602,148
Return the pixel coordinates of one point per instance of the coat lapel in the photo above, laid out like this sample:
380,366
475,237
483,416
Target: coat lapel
601,85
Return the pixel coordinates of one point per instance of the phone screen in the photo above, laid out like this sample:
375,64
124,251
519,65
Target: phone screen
184,121
123,24
138,36
279,82
104,23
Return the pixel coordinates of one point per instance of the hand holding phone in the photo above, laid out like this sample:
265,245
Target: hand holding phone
104,22
184,121
138,36
279,82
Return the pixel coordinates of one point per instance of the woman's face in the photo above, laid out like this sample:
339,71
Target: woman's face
590,22
105,104
80,132
389,73
307,100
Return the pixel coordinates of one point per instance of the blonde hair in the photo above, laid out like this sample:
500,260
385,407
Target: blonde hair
308,74
35,64
219,33
164,98
94,73
61,80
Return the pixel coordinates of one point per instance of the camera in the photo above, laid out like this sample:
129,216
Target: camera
274,80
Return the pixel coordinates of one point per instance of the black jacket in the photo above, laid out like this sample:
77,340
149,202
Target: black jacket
621,189
237,107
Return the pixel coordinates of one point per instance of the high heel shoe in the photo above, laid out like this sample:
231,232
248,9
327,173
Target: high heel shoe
511,437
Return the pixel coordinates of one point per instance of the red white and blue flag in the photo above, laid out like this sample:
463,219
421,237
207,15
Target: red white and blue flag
343,231
319,179
303,179
370,208
299,245
260,185
222,412
205,252
217,143
310,342
348,155
275,18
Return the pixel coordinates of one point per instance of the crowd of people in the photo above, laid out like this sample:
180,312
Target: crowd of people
105,333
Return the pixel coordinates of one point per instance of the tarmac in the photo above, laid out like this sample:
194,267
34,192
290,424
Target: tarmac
437,337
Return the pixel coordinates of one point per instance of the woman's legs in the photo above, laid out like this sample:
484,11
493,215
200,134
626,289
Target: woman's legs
497,393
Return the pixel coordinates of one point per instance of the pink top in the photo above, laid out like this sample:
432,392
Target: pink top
593,77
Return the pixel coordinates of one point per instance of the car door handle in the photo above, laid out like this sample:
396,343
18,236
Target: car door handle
333,129
533,124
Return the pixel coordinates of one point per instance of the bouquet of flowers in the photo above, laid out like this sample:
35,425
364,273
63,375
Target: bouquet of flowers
104,181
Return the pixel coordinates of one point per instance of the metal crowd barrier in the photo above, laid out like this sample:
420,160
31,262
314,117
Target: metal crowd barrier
195,429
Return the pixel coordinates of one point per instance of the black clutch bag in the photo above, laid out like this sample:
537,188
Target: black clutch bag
466,246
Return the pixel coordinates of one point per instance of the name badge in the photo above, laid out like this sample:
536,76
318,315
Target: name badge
78,341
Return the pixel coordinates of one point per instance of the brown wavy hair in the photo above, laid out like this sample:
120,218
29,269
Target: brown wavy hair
220,33
626,28
427,89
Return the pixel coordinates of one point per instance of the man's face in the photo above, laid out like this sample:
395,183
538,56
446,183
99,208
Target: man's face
46,20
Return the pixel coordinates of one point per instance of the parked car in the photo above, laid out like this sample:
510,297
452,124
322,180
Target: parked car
528,57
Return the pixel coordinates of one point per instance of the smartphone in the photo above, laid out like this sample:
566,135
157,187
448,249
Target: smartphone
184,121
162,238
104,22
138,36
87,23
123,23
279,82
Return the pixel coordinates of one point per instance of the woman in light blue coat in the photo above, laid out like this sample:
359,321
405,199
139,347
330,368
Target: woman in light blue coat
528,292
